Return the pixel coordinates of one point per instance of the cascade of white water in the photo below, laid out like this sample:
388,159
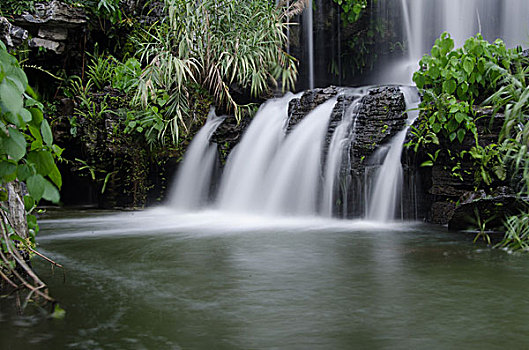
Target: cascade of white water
388,181
293,181
515,22
193,182
340,137
242,188
337,154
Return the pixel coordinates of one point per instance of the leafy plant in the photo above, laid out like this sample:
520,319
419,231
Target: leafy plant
517,233
352,9
219,45
452,82
27,155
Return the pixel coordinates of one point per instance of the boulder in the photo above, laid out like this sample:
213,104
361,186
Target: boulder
488,212
12,36
55,14
53,46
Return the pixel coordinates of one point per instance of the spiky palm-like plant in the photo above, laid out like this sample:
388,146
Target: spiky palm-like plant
216,44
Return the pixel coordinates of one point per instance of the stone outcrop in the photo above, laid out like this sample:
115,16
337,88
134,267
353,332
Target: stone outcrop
489,212
11,35
49,26
228,135
379,116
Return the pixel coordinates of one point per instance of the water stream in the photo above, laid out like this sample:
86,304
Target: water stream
193,182
161,280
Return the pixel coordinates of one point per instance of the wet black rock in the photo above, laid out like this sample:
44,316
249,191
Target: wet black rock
228,135
300,107
488,212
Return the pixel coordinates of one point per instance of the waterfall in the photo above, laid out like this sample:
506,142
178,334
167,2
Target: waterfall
242,183
338,162
388,180
293,180
193,181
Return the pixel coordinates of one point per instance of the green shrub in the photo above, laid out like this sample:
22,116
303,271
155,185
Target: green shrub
27,155
217,45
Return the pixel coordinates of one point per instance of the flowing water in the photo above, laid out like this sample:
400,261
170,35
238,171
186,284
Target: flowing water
386,196
193,183
162,280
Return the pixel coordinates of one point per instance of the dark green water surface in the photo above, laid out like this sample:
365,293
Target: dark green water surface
162,280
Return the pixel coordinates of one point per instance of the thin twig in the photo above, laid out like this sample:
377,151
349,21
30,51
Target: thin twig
45,258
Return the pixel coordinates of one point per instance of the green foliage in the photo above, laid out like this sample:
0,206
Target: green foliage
352,9
27,153
452,82
217,45
517,233
16,7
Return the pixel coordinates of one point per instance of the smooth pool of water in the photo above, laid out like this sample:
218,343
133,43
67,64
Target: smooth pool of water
162,280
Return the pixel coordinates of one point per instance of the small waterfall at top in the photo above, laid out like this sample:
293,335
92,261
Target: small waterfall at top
309,40
424,21
193,181
388,181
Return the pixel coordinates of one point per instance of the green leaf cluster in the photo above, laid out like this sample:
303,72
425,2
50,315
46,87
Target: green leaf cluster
27,152
352,9
218,45
453,80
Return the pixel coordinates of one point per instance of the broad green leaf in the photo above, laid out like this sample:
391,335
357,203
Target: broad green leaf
46,132
55,176
15,144
51,193
25,115
35,132
449,86
18,77
32,221
36,185
8,169
37,116
43,161
468,65
29,203
24,171
10,99
460,117
461,135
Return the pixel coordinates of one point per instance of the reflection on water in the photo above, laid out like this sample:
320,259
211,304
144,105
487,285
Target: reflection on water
162,280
